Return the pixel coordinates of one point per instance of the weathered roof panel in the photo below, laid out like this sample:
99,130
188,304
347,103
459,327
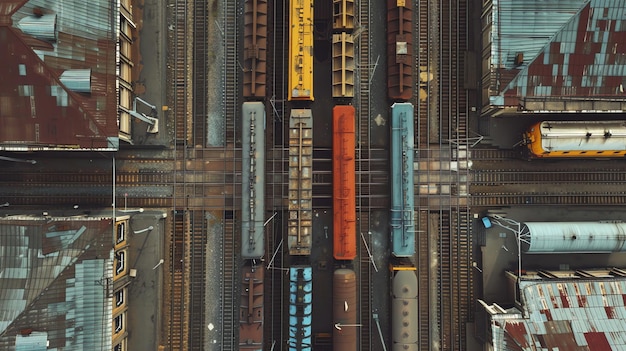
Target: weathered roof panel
583,59
37,110
58,290
565,315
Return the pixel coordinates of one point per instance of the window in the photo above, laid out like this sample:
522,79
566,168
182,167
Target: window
119,323
121,232
119,267
119,298
121,346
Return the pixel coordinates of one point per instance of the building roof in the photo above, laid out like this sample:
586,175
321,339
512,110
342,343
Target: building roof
55,283
547,52
584,313
45,41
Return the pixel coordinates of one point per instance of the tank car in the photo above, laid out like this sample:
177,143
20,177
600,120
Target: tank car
300,221
400,49
255,48
404,309
253,180
301,50
345,310
579,139
402,196
300,308
251,309
572,237
344,196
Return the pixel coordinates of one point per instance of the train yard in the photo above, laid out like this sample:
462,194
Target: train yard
338,220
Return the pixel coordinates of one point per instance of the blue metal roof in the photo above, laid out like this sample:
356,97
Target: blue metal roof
558,55
54,276
526,26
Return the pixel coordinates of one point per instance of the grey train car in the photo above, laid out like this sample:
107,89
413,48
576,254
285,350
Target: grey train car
253,180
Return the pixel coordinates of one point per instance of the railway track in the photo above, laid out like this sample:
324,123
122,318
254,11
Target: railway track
493,155
446,265
231,74
365,285
583,199
197,279
441,139
177,320
200,70
182,117
229,283
463,281
275,291
424,269
230,69
96,178
367,192
521,176
59,202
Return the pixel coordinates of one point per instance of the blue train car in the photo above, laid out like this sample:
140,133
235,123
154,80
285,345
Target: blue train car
300,308
402,197
253,180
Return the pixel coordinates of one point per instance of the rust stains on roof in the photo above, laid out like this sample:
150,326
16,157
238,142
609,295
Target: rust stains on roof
37,111
583,59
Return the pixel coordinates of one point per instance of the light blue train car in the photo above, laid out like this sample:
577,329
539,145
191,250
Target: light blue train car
300,308
402,197
253,180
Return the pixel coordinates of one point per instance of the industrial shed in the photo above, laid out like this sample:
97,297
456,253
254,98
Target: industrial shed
573,237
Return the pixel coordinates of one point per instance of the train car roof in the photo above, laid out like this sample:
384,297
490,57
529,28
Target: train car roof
404,284
583,135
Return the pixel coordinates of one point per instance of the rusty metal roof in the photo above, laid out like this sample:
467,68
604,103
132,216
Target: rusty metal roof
562,314
55,276
38,111
581,55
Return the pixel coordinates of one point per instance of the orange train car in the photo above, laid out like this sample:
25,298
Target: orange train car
344,196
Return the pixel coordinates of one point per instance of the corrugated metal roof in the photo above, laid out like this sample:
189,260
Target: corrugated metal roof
526,26
57,117
584,58
565,315
35,341
570,237
60,288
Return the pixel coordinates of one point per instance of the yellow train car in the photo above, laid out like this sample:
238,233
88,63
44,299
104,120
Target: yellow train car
301,50
576,139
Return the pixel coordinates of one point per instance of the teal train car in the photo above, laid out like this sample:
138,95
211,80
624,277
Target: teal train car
402,196
300,308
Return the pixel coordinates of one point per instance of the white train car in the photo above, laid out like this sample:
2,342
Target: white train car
579,139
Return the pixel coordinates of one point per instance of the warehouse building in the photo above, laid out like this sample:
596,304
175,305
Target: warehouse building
72,67
63,282
558,310
552,56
